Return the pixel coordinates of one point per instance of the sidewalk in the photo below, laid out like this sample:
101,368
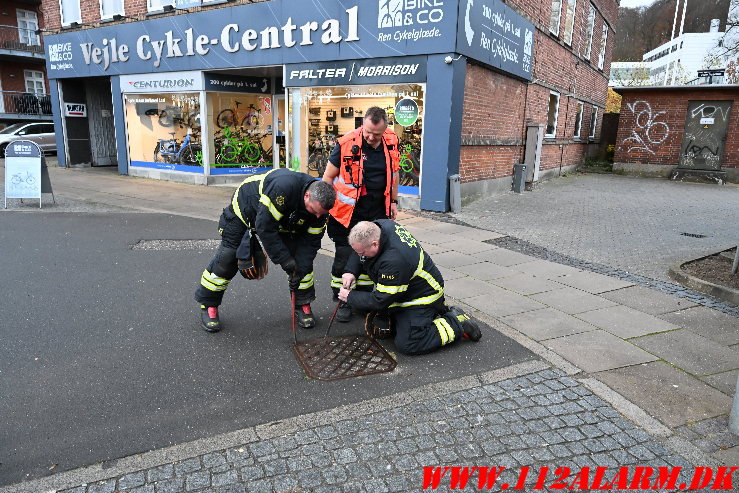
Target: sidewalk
628,375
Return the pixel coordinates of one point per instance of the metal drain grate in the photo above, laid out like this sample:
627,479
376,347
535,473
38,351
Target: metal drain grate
334,358
693,235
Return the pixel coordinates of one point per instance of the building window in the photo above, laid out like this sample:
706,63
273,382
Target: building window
589,33
109,8
556,14
603,40
27,26
570,21
158,5
34,81
552,116
578,120
593,122
70,11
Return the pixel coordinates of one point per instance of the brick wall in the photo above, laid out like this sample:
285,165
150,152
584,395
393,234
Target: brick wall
498,107
653,121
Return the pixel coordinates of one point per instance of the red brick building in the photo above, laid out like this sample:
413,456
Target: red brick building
676,131
24,87
541,80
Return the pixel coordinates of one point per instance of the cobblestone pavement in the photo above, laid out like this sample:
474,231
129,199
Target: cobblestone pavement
539,418
633,224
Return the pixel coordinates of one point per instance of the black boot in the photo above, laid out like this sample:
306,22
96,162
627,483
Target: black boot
209,318
471,329
304,317
344,313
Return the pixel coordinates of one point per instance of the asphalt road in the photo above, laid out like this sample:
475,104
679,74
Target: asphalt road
103,357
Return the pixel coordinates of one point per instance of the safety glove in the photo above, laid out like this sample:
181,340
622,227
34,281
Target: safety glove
294,281
247,269
289,266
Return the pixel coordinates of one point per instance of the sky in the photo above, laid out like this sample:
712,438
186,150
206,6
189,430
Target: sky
636,3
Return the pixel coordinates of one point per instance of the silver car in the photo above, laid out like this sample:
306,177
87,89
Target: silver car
41,133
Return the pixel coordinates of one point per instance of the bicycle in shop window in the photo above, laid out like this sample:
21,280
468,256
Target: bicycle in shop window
319,151
235,146
173,115
170,151
410,163
249,118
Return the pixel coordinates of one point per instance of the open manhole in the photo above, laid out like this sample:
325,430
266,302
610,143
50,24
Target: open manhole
334,358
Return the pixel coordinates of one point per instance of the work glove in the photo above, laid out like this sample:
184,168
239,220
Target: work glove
246,268
289,266
294,281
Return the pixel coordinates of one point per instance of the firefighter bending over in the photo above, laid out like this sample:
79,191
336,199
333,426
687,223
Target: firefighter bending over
408,295
284,210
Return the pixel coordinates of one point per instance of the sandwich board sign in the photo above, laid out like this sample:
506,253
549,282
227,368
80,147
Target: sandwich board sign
23,172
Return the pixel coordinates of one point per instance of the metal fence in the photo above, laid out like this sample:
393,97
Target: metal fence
16,38
25,103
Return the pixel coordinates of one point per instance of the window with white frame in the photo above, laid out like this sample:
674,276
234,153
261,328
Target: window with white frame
589,28
70,11
34,81
603,40
556,14
27,26
593,122
158,5
578,119
569,21
552,115
109,8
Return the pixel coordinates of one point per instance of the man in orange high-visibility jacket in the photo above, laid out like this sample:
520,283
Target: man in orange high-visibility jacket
363,169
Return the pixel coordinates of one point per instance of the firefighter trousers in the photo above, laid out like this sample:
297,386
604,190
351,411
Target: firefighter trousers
423,329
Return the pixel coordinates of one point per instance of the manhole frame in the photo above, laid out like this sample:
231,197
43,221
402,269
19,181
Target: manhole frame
317,371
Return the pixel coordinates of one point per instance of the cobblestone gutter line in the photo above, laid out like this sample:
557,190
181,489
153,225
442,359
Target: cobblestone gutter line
541,417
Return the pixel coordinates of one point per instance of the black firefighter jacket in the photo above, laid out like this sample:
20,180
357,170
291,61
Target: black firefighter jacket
272,203
404,275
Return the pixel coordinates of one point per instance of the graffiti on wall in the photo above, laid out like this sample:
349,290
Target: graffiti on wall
705,130
648,132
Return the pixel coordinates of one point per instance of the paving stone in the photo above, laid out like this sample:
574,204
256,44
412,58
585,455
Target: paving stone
525,284
706,322
102,487
598,351
500,303
503,257
159,473
131,480
591,282
197,480
571,300
625,322
691,352
726,382
187,466
648,300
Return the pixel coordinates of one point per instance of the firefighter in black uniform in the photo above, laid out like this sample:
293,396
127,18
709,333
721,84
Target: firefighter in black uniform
285,211
408,291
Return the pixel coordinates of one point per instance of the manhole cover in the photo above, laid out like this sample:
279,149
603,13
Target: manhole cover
334,358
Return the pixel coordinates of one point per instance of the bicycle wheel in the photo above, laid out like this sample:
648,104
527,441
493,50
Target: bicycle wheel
229,153
225,119
31,181
321,165
158,153
313,161
251,153
189,155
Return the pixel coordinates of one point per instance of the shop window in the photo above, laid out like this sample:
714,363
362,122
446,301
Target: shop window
569,21
70,11
243,135
320,115
164,131
109,8
27,26
555,17
593,122
589,28
158,5
552,115
578,120
34,81
603,40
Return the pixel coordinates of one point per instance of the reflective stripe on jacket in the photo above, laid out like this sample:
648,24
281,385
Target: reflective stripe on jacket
349,182
404,275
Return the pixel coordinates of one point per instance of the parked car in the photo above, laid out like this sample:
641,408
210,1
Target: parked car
41,133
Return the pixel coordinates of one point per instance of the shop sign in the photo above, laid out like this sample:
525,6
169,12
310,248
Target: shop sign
237,83
406,112
258,34
23,171
357,72
162,83
75,110
495,34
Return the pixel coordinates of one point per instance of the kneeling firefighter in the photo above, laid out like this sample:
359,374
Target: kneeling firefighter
286,212
408,294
